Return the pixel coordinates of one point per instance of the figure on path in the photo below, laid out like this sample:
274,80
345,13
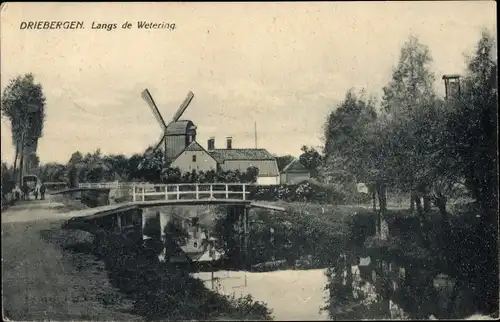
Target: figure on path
35,192
17,192
25,191
42,191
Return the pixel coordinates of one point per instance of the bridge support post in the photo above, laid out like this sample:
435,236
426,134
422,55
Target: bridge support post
119,222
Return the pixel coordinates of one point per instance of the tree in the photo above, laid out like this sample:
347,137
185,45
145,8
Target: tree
346,138
8,182
23,102
250,175
74,167
151,166
53,172
283,161
410,88
474,125
311,159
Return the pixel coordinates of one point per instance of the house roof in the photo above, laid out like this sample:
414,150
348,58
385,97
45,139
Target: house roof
221,155
294,166
193,146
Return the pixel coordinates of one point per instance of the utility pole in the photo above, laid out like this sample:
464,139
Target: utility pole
255,131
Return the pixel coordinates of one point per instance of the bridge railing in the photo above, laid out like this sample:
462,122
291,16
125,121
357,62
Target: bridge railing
194,191
183,191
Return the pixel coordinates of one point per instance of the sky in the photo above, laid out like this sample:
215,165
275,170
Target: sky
283,65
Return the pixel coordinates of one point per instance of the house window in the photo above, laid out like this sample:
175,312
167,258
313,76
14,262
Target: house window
194,158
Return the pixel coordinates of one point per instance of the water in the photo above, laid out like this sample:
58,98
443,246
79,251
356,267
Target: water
376,288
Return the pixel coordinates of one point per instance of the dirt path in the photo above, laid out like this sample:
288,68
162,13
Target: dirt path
43,281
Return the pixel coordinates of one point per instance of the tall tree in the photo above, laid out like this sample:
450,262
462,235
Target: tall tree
346,137
23,102
475,127
410,88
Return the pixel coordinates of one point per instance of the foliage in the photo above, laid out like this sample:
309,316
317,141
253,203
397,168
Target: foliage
283,161
306,191
174,175
473,128
7,179
311,159
23,102
347,148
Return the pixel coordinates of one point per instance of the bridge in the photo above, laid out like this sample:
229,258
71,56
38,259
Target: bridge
130,216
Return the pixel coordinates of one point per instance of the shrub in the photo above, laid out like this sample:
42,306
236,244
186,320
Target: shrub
307,191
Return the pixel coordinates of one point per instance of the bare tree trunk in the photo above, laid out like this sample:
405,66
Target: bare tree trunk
423,221
374,200
427,202
15,163
412,202
382,204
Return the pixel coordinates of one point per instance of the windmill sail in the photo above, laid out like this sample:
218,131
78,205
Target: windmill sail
159,144
183,106
149,99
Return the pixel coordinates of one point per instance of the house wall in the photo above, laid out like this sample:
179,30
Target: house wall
267,168
294,177
204,162
268,181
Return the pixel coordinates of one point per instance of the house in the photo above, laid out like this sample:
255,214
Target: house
294,173
195,157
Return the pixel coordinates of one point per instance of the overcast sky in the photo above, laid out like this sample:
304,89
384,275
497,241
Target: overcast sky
284,65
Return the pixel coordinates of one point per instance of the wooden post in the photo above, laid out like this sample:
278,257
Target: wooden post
244,192
245,240
133,192
119,222
211,192
177,192
166,192
227,191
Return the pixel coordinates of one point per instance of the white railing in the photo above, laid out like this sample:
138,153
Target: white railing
184,191
190,191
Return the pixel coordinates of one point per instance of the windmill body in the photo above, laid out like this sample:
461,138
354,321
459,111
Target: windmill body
177,134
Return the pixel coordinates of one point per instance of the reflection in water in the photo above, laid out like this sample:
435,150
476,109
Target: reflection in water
369,288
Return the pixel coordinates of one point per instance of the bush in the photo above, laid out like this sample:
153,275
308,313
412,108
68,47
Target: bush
307,191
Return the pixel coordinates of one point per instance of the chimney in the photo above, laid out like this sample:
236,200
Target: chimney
211,144
229,142
452,86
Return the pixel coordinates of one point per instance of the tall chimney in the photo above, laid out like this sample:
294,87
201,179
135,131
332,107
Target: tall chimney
229,142
452,86
211,144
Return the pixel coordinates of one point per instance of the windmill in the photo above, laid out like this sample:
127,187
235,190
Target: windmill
178,133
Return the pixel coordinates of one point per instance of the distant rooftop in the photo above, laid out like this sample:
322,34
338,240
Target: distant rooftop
221,155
